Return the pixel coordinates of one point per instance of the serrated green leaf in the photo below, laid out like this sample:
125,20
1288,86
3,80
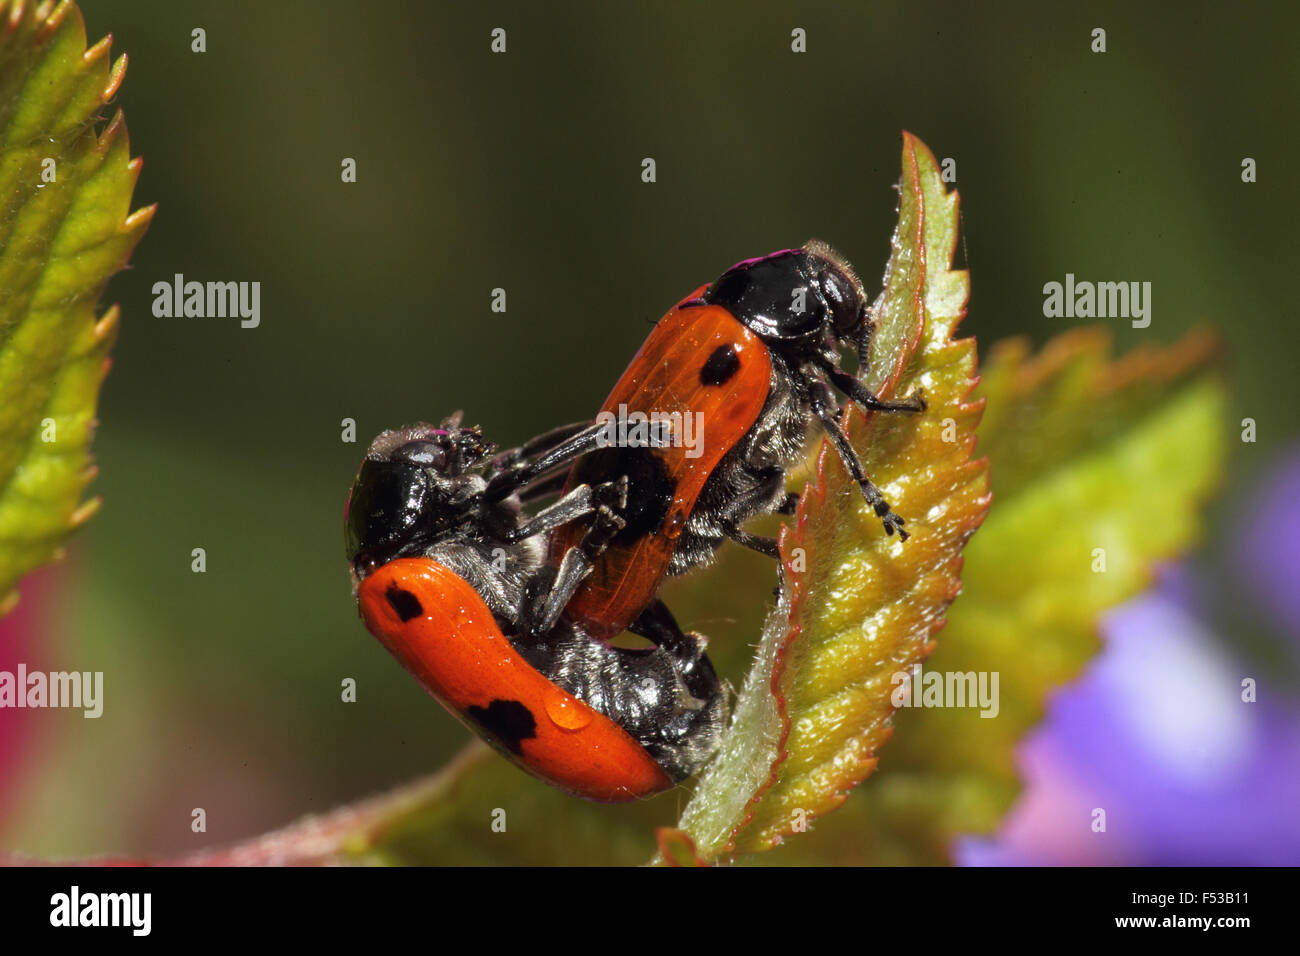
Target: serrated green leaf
65,229
1086,453
858,606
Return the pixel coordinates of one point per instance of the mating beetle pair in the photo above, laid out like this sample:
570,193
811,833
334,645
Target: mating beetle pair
506,618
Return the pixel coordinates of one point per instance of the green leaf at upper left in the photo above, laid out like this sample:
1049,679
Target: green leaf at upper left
66,227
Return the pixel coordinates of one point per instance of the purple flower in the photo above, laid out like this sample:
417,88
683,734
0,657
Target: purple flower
1157,735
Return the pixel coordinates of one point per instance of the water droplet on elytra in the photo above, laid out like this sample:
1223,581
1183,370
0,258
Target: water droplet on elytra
566,711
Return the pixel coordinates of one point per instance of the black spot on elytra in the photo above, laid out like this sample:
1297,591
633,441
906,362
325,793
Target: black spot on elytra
406,604
507,720
721,366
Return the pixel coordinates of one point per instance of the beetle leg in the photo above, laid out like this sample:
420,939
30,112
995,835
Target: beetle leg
536,445
551,588
764,486
755,542
657,625
546,487
768,547
855,390
520,472
827,411
578,503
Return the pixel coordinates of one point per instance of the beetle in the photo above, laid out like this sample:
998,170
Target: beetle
756,356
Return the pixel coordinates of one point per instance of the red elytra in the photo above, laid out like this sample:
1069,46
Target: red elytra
441,631
665,377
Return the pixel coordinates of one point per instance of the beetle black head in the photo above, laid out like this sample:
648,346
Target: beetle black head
840,288
794,295
415,484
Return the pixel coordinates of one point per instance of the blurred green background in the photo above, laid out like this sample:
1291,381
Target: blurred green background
522,171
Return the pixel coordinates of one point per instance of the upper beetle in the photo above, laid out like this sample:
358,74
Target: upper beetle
754,356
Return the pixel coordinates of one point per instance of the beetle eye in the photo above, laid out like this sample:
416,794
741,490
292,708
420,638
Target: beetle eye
842,299
423,453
